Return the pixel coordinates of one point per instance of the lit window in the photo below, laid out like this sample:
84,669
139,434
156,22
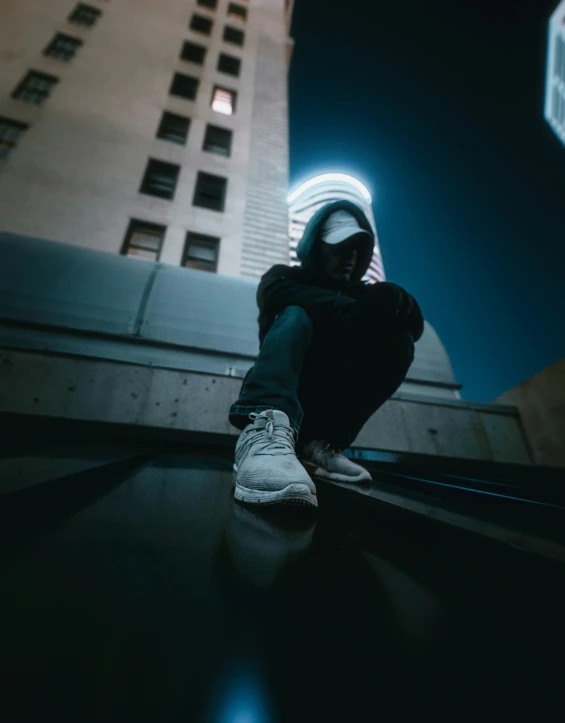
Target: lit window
84,15
201,24
228,64
35,87
217,140
223,100
173,128
201,252
184,86
10,133
144,240
63,47
193,53
210,191
160,179
236,12
232,35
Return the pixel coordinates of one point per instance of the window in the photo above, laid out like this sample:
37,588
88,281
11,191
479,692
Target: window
223,100
63,47
35,87
232,35
160,179
560,58
84,15
210,191
229,64
184,86
10,133
556,101
173,128
217,140
201,24
236,12
201,252
192,52
144,240
212,4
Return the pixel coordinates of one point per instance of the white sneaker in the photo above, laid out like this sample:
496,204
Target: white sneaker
266,469
324,462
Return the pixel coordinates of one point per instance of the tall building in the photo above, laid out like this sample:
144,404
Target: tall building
305,200
555,78
138,138
156,130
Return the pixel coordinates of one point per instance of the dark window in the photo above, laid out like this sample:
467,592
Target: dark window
560,57
232,35
201,252
192,52
84,15
201,24
160,179
173,128
63,47
210,191
229,64
556,101
217,140
35,87
212,4
144,240
223,100
236,12
184,86
10,133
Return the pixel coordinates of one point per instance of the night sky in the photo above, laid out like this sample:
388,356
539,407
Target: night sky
438,107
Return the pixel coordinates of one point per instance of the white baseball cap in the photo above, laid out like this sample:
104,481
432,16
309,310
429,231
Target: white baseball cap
339,226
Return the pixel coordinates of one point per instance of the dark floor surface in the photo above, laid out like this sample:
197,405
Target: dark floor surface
154,596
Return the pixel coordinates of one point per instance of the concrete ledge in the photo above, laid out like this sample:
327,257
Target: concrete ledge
490,530
166,400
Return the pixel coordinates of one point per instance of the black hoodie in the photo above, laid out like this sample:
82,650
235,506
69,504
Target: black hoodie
329,302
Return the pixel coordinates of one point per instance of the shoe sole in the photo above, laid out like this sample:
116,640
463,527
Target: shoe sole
296,494
320,473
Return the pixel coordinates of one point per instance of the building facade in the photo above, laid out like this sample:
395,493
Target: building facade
305,200
156,130
555,73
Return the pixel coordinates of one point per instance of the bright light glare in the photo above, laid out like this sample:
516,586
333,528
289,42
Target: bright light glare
222,102
330,177
243,698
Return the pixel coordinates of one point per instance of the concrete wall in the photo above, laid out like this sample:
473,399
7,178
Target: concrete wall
541,401
265,238
68,387
76,173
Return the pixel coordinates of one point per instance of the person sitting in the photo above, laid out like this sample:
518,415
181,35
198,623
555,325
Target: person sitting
332,350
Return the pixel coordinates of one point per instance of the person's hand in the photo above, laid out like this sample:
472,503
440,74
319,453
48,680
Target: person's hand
392,297
414,319
397,304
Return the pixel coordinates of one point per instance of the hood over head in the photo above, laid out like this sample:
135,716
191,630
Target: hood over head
312,236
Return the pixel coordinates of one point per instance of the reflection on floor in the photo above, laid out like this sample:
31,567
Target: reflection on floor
157,597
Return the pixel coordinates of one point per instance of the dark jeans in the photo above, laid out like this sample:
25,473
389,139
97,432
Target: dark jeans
328,384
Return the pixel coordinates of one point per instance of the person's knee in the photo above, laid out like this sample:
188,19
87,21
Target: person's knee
403,347
299,318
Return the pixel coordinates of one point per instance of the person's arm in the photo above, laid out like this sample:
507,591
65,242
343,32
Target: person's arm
394,301
278,290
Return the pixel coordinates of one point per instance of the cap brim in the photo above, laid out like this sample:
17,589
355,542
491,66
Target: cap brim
342,234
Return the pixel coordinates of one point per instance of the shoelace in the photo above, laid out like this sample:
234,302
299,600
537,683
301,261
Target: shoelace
270,427
328,448
286,433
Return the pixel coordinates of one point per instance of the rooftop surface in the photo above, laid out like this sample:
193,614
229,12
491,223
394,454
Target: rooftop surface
136,588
